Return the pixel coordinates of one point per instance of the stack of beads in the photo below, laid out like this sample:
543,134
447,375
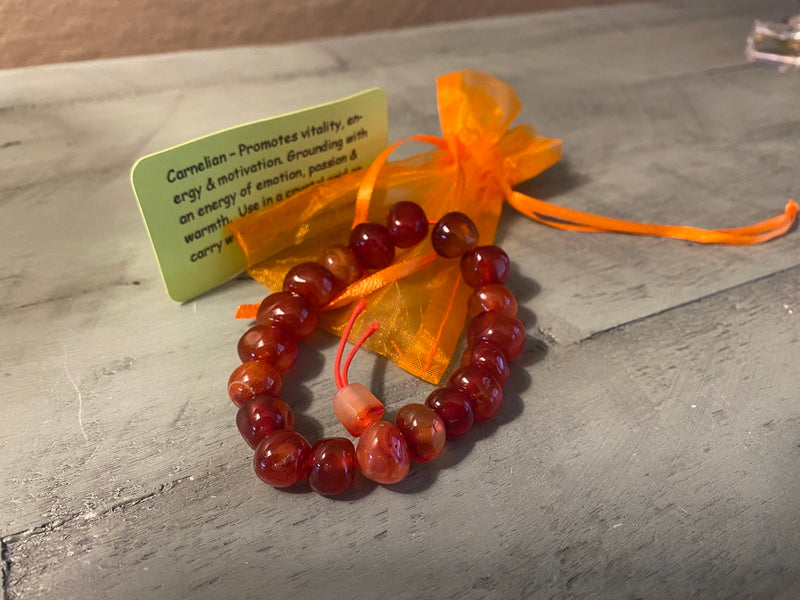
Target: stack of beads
384,451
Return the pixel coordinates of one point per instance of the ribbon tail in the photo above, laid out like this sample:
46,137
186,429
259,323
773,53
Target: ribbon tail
380,279
247,311
367,187
575,220
361,288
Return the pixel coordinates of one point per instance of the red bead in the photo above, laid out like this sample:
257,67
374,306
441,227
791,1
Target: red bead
252,379
270,345
507,333
484,265
492,297
333,466
407,224
382,453
289,312
281,459
484,392
343,263
311,281
373,244
262,415
489,357
423,430
454,234
454,408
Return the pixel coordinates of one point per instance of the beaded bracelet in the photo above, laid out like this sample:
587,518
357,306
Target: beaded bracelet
384,451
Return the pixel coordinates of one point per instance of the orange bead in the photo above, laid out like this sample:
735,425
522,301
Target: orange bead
251,379
290,312
343,263
424,431
356,407
382,453
268,344
311,281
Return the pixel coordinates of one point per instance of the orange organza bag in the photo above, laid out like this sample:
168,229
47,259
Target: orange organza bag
420,301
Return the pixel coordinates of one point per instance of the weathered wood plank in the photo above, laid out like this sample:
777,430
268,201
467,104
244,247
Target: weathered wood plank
657,460
113,391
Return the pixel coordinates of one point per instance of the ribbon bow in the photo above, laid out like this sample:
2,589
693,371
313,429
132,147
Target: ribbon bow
420,300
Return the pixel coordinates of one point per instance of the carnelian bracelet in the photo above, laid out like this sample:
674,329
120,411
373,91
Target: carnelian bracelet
384,451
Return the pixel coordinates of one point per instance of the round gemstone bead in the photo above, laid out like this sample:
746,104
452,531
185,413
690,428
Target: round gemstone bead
382,453
373,244
251,379
423,430
454,234
311,281
484,392
484,265
490,358
454,408
262,415
290,312
492,297
407,224
333,466
507,333
281,459
268,344
343,263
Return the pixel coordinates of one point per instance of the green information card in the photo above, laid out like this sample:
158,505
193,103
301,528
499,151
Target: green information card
189,193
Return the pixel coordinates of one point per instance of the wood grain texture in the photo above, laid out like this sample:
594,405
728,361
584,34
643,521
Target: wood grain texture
117,445
673,478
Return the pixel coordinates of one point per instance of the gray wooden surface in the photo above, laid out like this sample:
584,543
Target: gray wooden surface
650,439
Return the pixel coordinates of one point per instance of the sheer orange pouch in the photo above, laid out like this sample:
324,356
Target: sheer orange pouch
420,301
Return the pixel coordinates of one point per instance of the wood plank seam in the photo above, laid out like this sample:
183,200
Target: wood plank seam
5,568
165,487
669,309
56,524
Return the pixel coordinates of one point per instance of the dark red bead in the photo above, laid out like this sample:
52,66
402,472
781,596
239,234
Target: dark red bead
489,357
262,415
333,466
407,224
252,379
484,265
507,333
483,390
454,234
454,408
343,263
281,459
492,297
373,244
290,312
268,344
311,281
